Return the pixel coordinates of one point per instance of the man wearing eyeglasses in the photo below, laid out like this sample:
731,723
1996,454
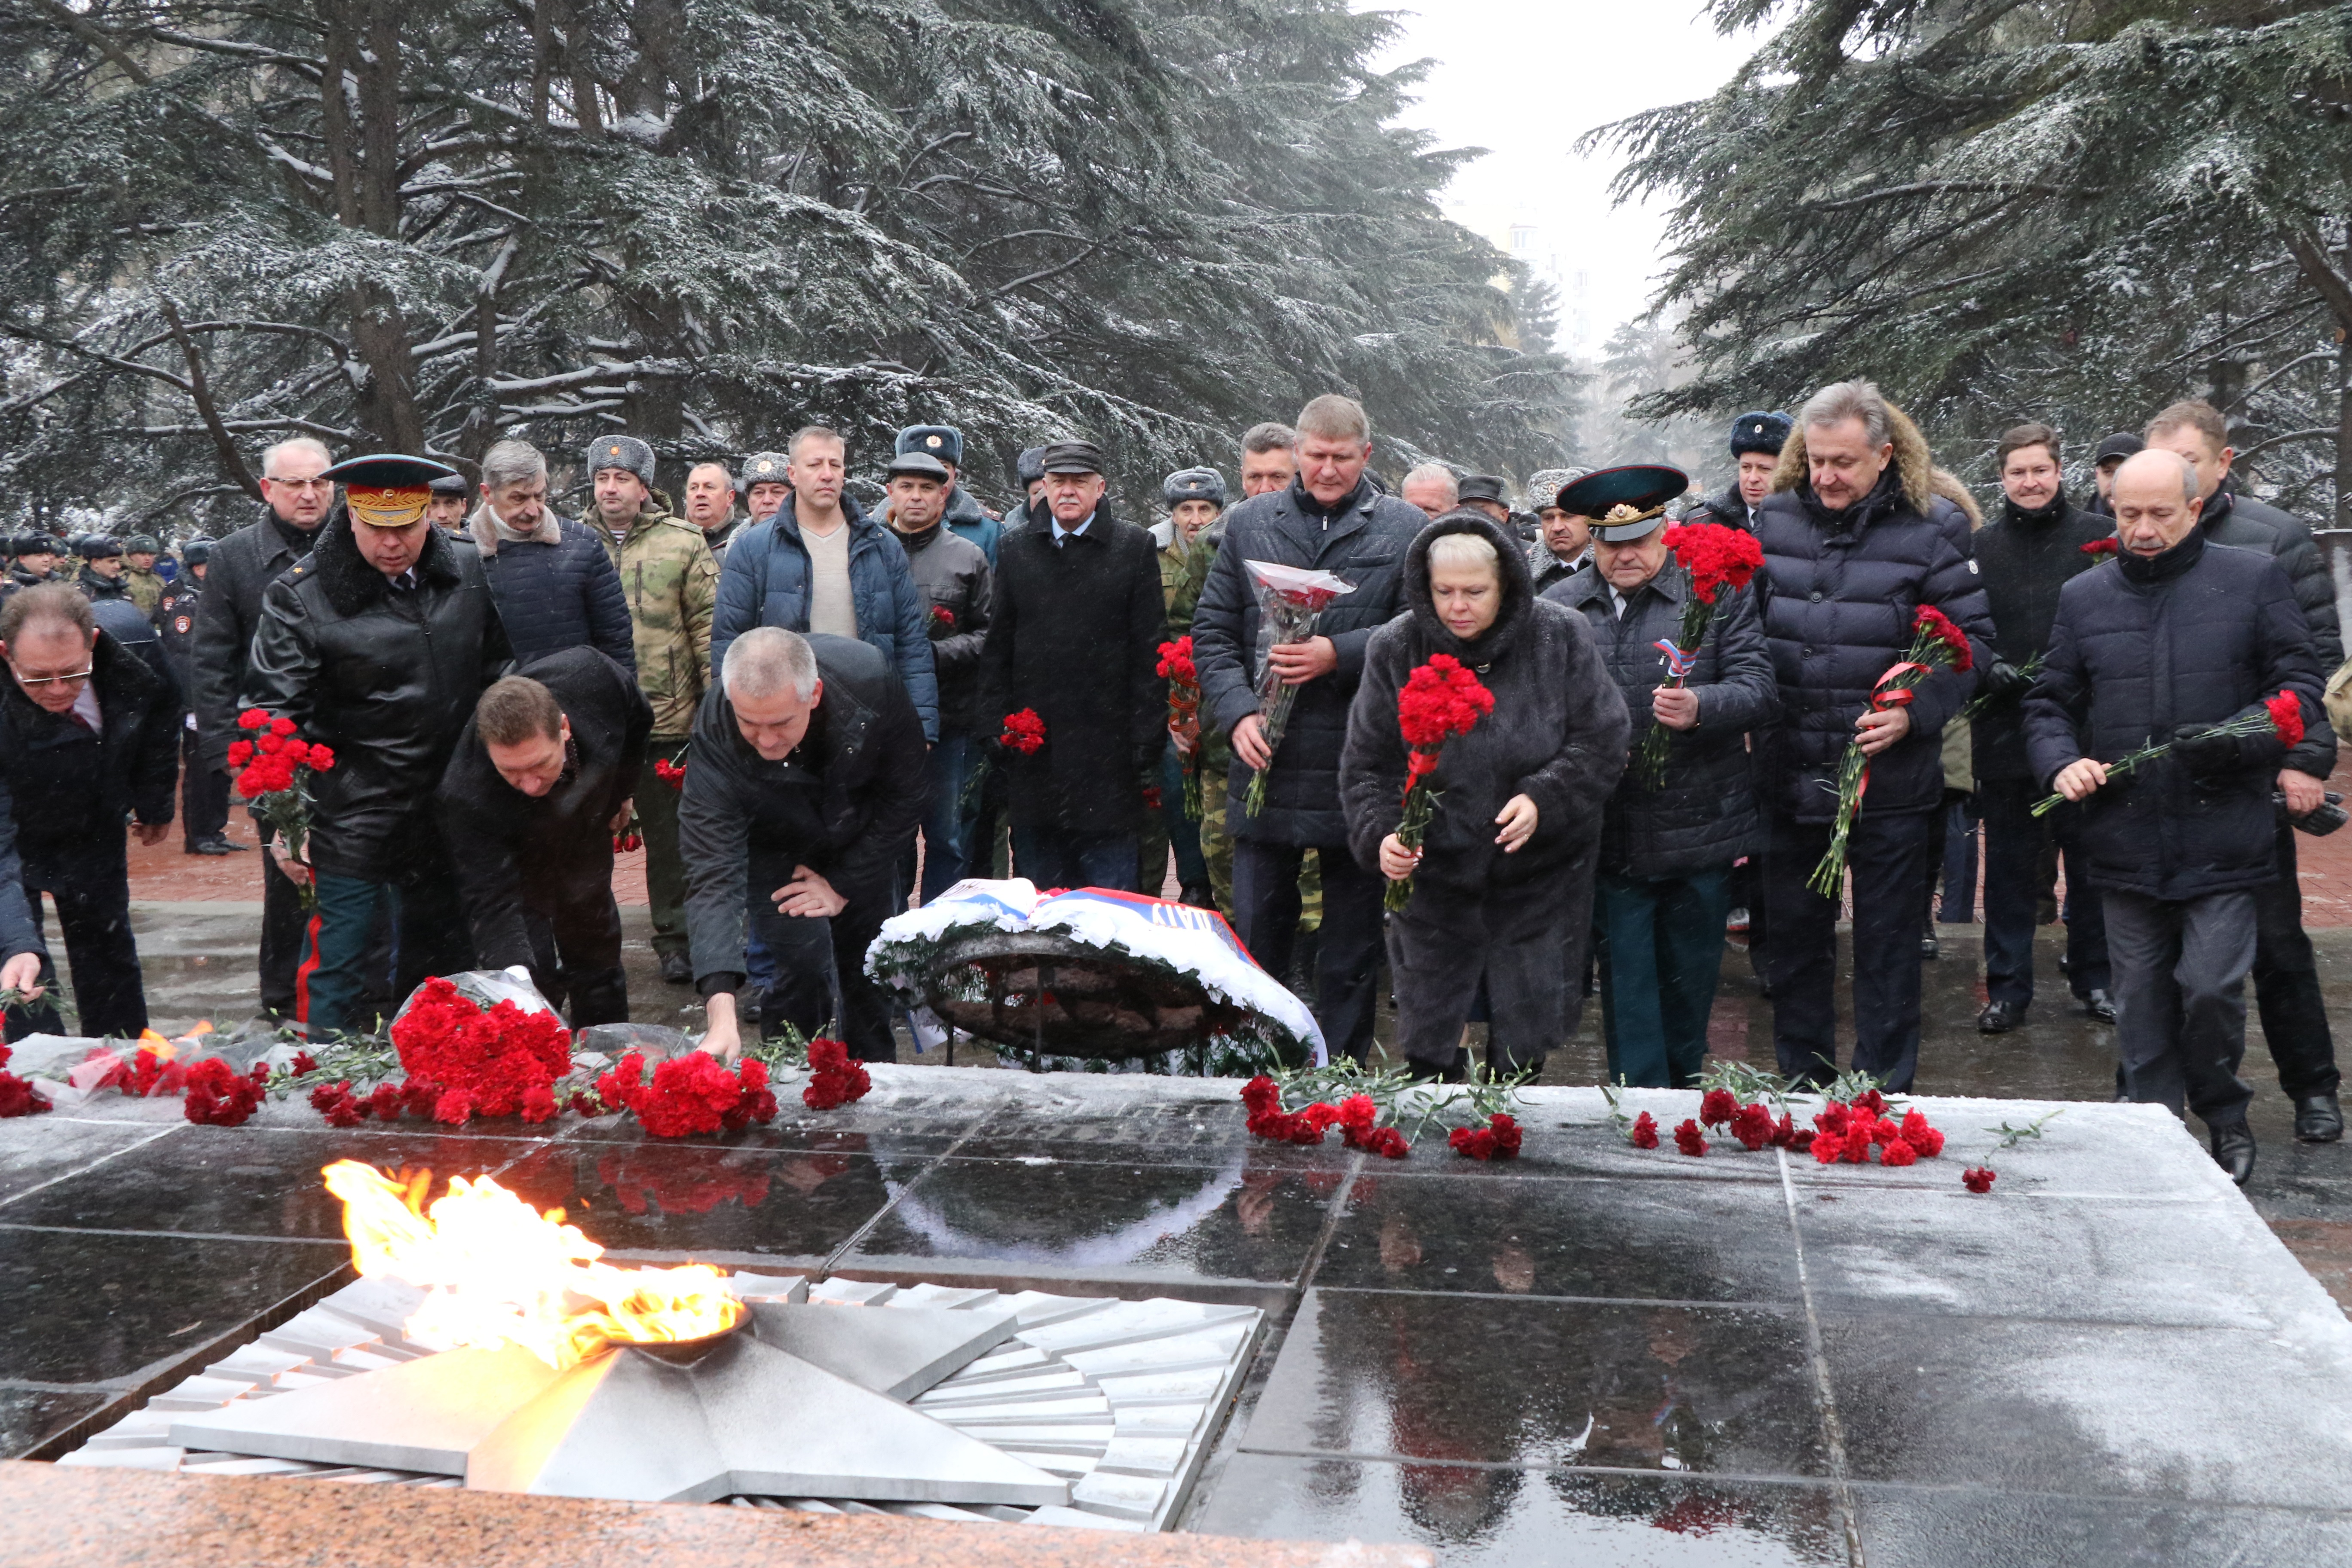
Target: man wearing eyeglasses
300,495
89,736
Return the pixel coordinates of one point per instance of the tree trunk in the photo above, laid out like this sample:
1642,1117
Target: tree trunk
362,125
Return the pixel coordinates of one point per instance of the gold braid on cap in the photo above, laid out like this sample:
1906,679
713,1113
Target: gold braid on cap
1624,513
380,508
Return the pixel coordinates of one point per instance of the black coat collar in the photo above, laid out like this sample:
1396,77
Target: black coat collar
352,586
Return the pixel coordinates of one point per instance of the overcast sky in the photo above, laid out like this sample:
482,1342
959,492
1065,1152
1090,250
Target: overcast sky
1525,78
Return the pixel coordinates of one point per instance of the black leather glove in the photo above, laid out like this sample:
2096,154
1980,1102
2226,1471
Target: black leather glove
2204,754
2005,679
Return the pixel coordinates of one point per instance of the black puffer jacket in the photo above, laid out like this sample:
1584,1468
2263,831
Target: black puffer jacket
559,594
1703,814
386,677
845,803
1839,591
1726,508
2026,557
241,569
952,574
2196,636
1365,545
2233,519
19,932
1557,735
513,852
70,789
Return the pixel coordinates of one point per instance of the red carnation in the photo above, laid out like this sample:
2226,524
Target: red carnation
1925,1140
2286,717
1508,1135
19,1098
1176,662
943,617
1645,1132
1752,1125
252,719
1717,1106
2106,546
1940,626
218,1096
669,772
1389,1144
1898,1152
834,1080
1688,1138
1024,732
1715,557
322,760
239,753
1829,1147
1977,1181
1478,1143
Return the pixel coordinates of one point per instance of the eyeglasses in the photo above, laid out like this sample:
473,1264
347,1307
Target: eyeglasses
76,678
300,484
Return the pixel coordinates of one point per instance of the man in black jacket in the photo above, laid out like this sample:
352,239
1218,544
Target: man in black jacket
88,735
2287,975
377,645
204,792
1073,636
1330,519
806,782
951,575
2028,554
1757,438
1855,543
2177,636
554,581
1668,838
538,786
24,956
299,496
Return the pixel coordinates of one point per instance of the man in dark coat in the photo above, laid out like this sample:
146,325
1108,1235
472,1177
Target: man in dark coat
952,576
538,786
554,581
821,564
806,784
88,735
299,497
1855,541
24,956
376,644
2179,635
2287,975
1330,518
1668,838
204,791
1502,884
1757,438
1073,636
963,516
101,567
2028,554
2105,461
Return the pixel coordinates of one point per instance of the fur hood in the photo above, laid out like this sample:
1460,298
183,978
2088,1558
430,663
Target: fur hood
1913,463
1430,634
488,530
351,585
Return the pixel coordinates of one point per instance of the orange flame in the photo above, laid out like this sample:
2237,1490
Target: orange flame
497,1272
156,1045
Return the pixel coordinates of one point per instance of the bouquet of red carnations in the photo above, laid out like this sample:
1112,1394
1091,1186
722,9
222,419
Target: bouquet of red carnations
1716,558
1290,600
1183,678
499,1060
1440,700
1935,644
273,772
2280,715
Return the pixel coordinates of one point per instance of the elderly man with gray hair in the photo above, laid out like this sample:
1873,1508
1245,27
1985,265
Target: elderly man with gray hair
555,584
804,785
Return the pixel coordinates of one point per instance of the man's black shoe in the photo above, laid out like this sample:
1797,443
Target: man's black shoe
1419,1071
226,842
2318,1119
677,969
1197,896
2234,1151
208,846
1929,947
1998,1017
2100,1006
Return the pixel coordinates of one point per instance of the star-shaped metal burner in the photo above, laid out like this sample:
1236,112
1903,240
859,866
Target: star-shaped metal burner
796,1400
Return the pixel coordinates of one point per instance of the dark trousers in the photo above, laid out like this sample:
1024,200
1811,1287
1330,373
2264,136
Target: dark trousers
815,956
1886,861
1661,944
575,951
204,793
1517,955
947,830
428,938
2287,983
1061,857
1184,833
285,925
2180,999
1348,956
2015,841
93,900
665,867
1952,855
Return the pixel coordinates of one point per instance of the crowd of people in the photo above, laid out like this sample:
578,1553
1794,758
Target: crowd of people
810,713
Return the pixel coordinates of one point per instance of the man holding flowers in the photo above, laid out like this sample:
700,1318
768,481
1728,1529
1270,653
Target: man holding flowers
2175,681
1856,545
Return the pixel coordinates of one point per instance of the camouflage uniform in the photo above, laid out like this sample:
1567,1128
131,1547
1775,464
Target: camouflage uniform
145,588
671,581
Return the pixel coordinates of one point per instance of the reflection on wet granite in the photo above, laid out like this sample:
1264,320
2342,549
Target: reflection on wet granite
1626,1240
86,1306
1230,1222
29,1417
1505,1517
1631,1387
2198,1415
40,1149
1905,1528
249,1181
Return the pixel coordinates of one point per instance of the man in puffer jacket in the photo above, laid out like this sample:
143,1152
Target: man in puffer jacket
1855,541
1668,839
1502,884
2179,636
555,585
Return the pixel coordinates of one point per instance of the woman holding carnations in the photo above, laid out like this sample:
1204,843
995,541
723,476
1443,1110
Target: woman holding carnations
1675,621
1501,881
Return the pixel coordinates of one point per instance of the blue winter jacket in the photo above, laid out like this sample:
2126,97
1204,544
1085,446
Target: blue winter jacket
561,595
764,582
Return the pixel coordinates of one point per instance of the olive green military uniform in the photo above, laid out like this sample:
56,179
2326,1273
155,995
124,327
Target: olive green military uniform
145,589
671,581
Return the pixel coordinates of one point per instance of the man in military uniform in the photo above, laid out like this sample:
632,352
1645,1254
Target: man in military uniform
1757,438
1195,498
204,792
33,559
447,510
102,568
965,518
671,581
142,583
765,485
